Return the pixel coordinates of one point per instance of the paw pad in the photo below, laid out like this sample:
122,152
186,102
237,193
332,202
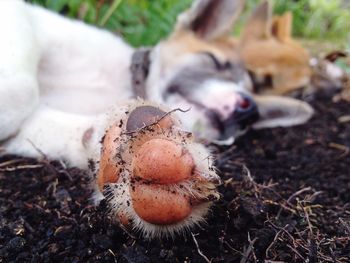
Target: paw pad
156,179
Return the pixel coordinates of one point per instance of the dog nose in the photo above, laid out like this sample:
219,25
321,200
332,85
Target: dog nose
245,113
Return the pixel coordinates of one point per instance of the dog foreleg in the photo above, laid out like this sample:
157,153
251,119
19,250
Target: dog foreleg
56,135
19,56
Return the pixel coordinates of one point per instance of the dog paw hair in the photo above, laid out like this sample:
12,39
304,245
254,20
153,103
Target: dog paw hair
154,177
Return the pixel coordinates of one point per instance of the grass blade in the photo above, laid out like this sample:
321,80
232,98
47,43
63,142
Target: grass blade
110,12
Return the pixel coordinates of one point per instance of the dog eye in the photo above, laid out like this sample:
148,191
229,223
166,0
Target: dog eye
218,64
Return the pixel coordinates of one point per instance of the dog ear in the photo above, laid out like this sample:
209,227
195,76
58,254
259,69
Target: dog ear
210,19
278,111
258,25
282,27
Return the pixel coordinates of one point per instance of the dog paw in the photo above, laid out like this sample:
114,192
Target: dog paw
156,179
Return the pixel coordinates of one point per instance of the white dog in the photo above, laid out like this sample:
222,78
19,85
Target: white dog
59,78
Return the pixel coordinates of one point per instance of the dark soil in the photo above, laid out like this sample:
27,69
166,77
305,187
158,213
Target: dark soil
285,197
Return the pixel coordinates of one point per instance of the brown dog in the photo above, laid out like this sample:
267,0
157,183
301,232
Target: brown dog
278,63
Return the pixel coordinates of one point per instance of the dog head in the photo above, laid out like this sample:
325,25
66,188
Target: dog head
199,67
277,62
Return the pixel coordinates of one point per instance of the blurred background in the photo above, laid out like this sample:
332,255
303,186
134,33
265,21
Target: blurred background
322,25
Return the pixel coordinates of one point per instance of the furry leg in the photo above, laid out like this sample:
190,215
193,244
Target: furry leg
19,56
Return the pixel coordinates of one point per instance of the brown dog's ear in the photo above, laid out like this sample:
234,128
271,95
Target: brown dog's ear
282,27
259,23
278,111
210,19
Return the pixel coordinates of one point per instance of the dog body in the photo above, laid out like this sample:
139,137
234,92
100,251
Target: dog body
59,77
64,83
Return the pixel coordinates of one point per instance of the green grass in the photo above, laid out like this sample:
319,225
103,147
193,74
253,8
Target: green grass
318,19
145,22
140,22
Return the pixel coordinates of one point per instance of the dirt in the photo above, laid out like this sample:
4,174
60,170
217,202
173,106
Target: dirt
285,198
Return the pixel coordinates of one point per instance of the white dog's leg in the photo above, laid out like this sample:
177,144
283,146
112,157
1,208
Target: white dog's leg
56,134
19,56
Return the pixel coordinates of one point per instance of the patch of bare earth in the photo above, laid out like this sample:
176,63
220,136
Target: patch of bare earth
285,197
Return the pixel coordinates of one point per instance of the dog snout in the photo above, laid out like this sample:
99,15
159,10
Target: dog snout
242,114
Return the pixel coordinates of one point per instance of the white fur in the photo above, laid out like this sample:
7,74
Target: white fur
19,57
78,70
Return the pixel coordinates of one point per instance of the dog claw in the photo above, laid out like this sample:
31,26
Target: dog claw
158,181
